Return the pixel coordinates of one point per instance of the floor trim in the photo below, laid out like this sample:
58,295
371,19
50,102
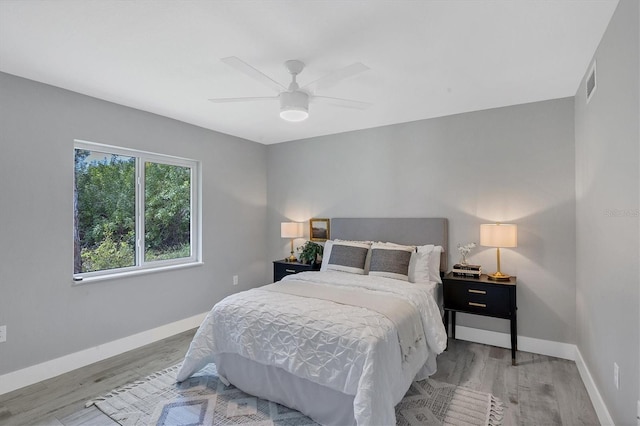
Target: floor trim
592,390
46,370
527,344
543,347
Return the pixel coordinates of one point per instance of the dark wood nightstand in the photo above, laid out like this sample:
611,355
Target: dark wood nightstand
481,296
282,268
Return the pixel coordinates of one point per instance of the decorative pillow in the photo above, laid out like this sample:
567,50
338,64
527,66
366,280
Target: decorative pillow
434,264
419,264
390,260
368,243
425,264
348,256
326,254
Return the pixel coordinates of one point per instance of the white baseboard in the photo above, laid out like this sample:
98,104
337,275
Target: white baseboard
46,370
596,399
526,344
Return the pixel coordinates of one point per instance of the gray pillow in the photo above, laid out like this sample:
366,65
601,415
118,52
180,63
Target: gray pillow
348,257
390,261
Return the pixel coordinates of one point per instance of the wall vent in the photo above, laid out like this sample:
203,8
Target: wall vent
591,82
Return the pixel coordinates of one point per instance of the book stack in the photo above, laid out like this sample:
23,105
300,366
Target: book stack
460,270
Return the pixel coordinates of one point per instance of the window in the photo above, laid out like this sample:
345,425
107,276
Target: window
133,211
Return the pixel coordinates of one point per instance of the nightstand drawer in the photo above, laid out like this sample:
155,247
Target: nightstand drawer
477,298
281,269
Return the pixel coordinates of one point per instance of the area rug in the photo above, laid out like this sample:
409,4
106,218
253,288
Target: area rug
205,400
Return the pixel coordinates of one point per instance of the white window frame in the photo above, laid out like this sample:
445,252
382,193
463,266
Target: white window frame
195,233
592,73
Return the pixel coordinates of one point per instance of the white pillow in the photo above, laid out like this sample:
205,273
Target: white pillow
419,264
425,264
390,260
326,254
348,256
434,264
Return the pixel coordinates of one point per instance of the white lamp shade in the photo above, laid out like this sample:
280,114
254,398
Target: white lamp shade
499,235
290,230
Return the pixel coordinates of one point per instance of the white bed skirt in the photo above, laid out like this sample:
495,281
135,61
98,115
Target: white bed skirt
324,405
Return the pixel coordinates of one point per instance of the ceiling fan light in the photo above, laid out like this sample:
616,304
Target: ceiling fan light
294,106
291,114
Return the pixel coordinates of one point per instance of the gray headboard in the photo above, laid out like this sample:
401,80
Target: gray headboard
412,231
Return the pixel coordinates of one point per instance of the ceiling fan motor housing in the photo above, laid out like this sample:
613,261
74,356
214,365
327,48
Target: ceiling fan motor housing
294,106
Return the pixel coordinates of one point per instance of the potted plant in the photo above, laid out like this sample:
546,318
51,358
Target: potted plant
309,252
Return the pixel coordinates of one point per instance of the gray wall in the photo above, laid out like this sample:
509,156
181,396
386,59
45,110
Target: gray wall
46,316
512,164
607,223
519,164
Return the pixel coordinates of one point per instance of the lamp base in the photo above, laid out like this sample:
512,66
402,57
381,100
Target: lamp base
499,276
291,258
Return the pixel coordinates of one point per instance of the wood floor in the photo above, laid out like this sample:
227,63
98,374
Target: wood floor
540,390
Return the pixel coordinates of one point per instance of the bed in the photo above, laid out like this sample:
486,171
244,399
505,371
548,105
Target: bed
344,344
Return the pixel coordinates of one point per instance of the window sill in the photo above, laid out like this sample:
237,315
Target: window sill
127,274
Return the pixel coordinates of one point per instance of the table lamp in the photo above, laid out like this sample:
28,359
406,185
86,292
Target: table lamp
291,230
498,235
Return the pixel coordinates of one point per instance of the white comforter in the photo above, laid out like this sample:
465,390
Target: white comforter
350,349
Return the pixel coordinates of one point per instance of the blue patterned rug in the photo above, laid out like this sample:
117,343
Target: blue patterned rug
204,400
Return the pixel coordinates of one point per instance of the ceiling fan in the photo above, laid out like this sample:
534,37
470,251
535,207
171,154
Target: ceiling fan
294,100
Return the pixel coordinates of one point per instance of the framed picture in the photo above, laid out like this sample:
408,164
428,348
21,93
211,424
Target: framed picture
319,229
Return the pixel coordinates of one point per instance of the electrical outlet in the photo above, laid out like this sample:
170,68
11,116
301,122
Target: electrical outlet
3,333
616,375
235,280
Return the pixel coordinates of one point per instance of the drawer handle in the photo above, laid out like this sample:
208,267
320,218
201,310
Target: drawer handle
293,271
479,305
477,291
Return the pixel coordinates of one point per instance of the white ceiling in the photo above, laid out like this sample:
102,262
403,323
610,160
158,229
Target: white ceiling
427,58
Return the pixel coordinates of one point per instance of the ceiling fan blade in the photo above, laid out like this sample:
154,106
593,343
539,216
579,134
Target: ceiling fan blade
225,100
242,66
336,76
346,103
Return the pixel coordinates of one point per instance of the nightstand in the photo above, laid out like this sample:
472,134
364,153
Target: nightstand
481,296
281,268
